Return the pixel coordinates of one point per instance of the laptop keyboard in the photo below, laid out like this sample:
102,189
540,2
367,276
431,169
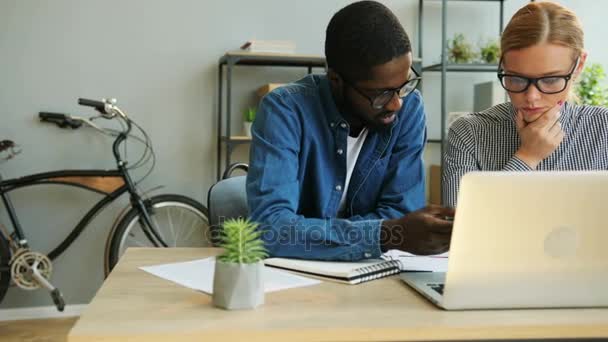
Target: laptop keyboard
437,287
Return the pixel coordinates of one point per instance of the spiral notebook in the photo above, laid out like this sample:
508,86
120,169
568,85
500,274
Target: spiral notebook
348,272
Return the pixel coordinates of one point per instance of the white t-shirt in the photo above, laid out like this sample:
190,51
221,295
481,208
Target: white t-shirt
353,148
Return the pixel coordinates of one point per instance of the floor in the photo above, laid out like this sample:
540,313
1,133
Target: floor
40,330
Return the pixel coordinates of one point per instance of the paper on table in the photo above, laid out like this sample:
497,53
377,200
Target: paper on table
412,262
198,275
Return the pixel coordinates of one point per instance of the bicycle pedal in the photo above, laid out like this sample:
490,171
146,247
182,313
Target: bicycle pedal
58,299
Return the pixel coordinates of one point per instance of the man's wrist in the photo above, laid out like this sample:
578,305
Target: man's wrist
387,235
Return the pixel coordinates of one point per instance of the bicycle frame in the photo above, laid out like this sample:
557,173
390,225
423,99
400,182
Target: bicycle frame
111,183
107,182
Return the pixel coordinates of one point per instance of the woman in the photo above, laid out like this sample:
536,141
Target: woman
540,129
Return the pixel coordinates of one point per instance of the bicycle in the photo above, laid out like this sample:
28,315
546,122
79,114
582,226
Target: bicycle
145,222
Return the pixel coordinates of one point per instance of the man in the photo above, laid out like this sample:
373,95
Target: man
336,160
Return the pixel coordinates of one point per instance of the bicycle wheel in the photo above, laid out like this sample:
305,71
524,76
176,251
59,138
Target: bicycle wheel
5,273
181,221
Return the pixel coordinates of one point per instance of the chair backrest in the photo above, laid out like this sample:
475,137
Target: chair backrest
226,199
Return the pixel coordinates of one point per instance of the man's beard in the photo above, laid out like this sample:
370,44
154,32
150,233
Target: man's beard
373,123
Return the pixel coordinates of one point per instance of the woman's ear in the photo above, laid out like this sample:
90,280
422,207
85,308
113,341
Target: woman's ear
581,63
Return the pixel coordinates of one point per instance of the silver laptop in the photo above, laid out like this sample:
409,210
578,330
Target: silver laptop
525,240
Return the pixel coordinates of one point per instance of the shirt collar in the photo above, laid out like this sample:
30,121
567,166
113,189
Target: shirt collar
334,118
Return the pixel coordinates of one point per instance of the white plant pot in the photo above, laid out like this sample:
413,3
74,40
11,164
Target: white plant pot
238,286
247,128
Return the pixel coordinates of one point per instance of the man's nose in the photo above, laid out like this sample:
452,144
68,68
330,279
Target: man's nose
394,104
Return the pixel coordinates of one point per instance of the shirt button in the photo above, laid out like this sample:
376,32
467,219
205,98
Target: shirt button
367,255
332,125
340,151
343,125
339,187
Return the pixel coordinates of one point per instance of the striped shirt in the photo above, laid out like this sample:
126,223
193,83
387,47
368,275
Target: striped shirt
488,140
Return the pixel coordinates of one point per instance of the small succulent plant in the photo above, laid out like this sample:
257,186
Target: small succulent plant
489,52
460,50
242,242
249,114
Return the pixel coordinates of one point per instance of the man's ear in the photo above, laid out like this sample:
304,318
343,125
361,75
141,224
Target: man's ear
336,82
334,79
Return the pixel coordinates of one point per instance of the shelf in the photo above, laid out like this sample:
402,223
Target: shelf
472,67
236,139
272,59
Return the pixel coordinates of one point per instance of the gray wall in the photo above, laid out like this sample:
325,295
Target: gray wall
159,58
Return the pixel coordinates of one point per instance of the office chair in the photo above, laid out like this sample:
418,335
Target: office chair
227,199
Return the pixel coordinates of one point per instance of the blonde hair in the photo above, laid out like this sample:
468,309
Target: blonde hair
540,22
543,22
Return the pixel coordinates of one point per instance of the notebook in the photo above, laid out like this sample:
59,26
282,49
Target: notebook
393,262
346,272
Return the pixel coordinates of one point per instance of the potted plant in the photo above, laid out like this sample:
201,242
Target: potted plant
589,89
248,118
460,50
238,281
489,52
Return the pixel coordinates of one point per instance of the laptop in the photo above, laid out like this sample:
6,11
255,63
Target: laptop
525,240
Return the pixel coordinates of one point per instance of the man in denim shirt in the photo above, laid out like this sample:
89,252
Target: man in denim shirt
336,168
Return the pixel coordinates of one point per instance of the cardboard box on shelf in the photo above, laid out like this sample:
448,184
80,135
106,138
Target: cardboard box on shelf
267,88
435,185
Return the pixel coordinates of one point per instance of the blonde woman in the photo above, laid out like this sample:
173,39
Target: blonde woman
541,128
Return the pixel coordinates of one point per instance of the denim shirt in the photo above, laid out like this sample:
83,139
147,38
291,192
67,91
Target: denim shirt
298,169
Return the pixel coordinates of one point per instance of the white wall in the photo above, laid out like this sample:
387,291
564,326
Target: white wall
159,58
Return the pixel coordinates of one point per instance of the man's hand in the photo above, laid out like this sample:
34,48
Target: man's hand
540,138
425,231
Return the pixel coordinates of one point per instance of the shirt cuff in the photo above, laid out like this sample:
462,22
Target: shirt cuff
516,164
366,245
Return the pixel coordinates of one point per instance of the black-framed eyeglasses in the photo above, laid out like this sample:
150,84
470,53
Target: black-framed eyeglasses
547,84
385,96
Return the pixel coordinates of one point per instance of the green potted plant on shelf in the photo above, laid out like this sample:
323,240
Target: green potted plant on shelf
489,51
460,50
589,89
248,118
238,281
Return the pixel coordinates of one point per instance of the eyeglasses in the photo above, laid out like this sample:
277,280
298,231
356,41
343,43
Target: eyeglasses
546,84
380,100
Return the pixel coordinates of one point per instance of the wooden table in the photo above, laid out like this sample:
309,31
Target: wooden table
136,306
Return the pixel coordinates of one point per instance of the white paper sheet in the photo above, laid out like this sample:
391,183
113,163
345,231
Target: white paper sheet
411,262
198,275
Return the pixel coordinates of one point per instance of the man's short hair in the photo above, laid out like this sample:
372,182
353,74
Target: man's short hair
363,35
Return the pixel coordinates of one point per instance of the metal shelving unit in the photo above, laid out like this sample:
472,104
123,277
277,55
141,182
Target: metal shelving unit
444,67
228,62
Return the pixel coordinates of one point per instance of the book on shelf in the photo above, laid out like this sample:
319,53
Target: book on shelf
270,46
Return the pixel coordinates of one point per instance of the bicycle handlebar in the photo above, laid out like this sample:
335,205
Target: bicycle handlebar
61,120
99,105
107,110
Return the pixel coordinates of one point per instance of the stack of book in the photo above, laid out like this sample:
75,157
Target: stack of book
270,46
